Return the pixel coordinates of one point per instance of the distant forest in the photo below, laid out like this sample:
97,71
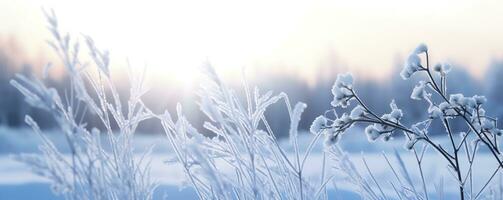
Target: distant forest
318,97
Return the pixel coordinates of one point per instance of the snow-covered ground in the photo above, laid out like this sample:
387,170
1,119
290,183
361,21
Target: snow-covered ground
18,183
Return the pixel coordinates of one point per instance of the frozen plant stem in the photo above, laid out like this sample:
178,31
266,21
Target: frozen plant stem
457,106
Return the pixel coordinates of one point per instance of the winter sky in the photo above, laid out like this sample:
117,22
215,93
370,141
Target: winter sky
296,37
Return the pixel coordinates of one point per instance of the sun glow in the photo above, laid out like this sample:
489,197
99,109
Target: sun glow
303,38
173,38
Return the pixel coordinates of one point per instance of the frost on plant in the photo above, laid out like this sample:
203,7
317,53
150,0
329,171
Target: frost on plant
94,169
318,124
342,90
443,108
242,159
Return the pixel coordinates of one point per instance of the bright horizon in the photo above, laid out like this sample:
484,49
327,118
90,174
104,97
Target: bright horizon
299,38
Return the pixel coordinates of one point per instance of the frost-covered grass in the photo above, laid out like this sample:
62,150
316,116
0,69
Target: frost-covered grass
243,158
89,171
